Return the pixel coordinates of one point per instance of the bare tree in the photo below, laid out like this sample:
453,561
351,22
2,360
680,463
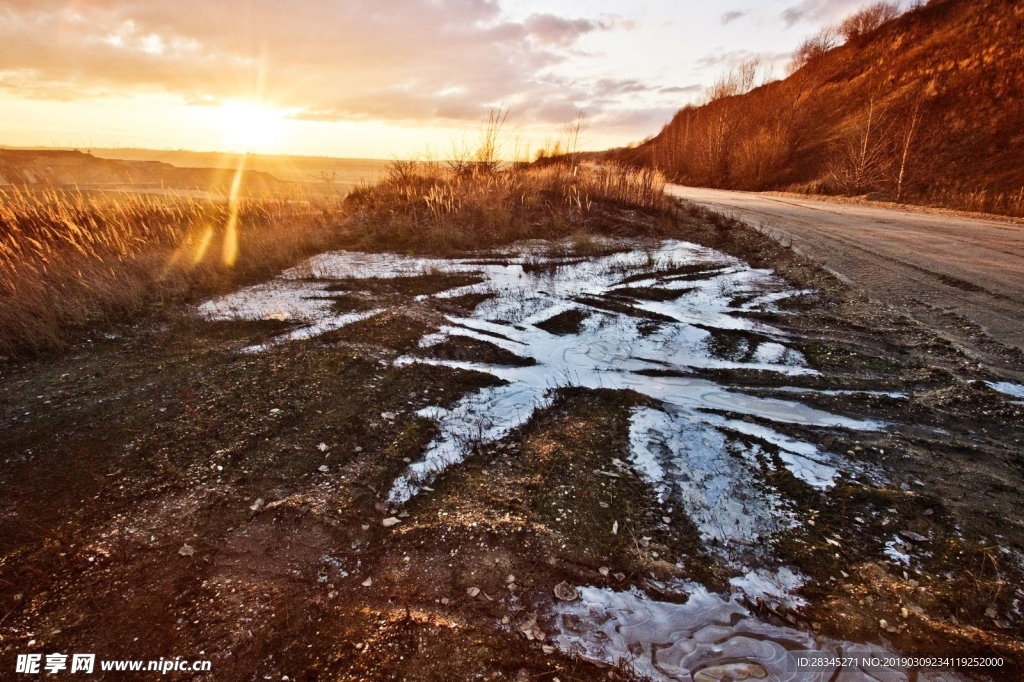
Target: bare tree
864,161
906,139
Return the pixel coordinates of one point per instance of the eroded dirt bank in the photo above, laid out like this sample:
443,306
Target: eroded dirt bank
174,491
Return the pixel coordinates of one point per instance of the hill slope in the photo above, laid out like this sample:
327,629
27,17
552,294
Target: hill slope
41,168
929,109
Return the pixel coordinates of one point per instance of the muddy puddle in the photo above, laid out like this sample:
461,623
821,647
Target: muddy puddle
649,318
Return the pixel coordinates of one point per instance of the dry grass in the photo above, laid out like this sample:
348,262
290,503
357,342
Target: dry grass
430,208
69,260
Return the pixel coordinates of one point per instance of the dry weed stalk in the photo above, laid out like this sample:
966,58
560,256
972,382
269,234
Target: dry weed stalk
69,259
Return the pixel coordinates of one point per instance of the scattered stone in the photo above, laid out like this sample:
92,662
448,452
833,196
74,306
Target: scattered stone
365,526
323,468
367,582
323,447
604,570
912,536
991,612
530,629
391,521
257,504
619,576
473,592
883,624
187,550
547,649
615,528
566,592
510,578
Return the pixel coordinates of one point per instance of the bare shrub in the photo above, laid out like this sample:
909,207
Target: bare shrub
814,48
859,25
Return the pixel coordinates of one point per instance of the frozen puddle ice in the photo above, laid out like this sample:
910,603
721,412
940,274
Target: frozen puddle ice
706,639
644,319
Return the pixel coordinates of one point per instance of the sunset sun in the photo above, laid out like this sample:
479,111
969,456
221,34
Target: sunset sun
248,126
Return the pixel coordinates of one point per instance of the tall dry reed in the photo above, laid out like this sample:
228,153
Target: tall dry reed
71,259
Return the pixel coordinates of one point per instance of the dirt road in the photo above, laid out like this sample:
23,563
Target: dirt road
931,265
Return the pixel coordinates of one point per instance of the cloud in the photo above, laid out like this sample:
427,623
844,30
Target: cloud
731,16
401,60
819,11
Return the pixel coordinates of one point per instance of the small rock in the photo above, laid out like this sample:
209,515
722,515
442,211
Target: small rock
257,504
391,521
323,468
275,411
445,601
914,537
904,613
991,612
566,592
604,570
883,624
367,582
615,528
547,649
323,447
619,576
510,578
473,592
187,550
365,526
666,519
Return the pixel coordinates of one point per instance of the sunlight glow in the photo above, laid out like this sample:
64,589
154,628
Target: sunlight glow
247,126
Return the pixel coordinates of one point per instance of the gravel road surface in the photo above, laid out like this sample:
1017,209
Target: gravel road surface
937,267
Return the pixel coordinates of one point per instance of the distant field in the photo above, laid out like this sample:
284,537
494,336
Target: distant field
342,174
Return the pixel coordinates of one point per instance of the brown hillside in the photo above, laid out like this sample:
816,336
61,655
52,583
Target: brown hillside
42,168
937,93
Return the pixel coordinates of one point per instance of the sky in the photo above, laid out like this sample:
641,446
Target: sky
372,78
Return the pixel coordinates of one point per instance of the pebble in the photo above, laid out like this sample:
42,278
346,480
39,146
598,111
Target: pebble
391,521
473,592
368,582
915,537
566,592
